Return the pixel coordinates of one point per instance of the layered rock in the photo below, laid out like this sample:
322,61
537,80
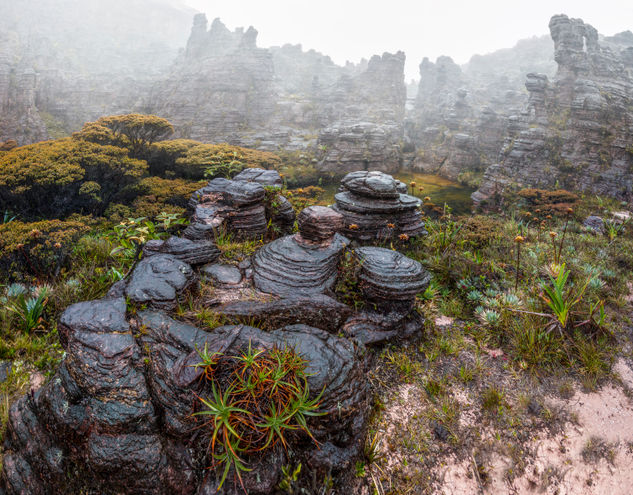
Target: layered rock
236,205
302,264
374,206
117,416
390,282
191,252
576,130
459,119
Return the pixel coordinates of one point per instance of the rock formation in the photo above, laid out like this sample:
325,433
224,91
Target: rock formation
375,206
576,130
460,117
302,264
390,282
119,416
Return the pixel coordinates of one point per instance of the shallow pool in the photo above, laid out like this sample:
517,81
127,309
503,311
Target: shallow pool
439,189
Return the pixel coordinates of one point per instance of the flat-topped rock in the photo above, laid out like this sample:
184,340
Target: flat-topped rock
319,223
222,274
159,281
288,267
389,275
261,176
371,184
196,252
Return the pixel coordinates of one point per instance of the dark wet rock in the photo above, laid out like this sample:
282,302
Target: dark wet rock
117,290
394,320
239,206
289,267
236,205
160,281
594,223
373,207
117,416
319,223
261,176
318,310
222,274
282,214
192,252
387,275
5,370
332,458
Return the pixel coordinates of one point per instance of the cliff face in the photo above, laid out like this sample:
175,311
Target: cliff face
19,118
221,87
576,131
224,88
460,116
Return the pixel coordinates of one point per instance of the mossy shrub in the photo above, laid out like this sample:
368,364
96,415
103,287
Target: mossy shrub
183,158
156,195
36,249
53,179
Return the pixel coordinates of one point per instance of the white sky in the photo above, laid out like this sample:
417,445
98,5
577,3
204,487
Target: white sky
353,29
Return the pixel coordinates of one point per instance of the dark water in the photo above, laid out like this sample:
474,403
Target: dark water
439,189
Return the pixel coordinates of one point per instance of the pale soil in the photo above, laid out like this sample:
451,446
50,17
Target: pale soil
590,453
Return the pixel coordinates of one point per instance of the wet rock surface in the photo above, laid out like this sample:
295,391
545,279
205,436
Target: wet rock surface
191,252
261,176
222,274
373,207
120,406
289,267
388,275
236,205
160,281
318,311
117,417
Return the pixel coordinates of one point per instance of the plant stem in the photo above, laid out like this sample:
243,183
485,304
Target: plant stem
516,282
562,239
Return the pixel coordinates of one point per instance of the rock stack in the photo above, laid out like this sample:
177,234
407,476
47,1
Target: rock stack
236,205
375,206
302,264
390,281
387,276
240,206
191,252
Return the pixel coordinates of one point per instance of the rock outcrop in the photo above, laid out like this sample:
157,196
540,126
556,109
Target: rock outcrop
576,130
117,416
390,281
375,206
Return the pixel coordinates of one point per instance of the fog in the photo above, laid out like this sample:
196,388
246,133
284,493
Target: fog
352,29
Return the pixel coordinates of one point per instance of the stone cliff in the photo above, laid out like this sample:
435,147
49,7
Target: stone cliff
460,116
576,131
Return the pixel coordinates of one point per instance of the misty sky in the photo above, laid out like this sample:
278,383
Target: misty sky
352,29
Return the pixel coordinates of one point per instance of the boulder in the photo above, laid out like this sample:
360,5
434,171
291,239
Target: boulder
160,281
194,253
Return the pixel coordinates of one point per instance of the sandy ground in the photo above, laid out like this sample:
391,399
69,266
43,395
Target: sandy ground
592,454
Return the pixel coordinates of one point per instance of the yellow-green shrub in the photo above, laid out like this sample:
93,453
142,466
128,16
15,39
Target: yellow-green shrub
53,179
189,159
37,248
